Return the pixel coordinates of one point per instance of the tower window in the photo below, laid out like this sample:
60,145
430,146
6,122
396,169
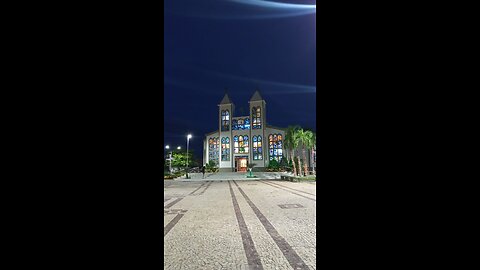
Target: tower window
256,118
225,120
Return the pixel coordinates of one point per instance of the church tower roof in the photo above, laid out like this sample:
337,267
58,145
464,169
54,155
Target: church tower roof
256,96
226,99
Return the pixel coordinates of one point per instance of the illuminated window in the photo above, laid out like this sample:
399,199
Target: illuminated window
241,125
247,123
240,144
225,120
235,144
225,149
234,124
275,145
213,149
244,148
257,148
256,118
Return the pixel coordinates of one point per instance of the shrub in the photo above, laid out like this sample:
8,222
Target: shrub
285,164
211,166
273,166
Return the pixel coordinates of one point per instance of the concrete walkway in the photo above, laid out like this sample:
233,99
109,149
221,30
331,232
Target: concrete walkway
222,176
239,225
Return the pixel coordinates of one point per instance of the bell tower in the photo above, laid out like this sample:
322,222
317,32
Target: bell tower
225,114
257,128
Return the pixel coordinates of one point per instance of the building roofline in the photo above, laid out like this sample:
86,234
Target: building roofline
210,133
274,127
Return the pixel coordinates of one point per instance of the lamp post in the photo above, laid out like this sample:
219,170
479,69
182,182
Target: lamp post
170,159
188,139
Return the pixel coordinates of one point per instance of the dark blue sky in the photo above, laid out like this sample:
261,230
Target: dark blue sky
210,45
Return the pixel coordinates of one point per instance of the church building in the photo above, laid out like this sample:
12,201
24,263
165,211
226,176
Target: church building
244,139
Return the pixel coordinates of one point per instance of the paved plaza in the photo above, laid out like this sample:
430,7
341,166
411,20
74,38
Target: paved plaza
233,176
239,224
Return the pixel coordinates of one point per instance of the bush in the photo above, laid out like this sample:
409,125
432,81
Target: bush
285,164
211,167
273,166
167,175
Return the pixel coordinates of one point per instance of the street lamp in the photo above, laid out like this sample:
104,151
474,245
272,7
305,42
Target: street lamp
188,139
170,159
178,148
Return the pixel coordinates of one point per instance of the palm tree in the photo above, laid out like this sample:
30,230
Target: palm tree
307,143
298,138
313,147
291,144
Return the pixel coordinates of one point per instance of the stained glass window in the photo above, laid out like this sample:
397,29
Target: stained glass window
256,118
257,147
240,144
235,144
240,124
225,149
213,149
234,125
275,145
225,120
246,144
247,123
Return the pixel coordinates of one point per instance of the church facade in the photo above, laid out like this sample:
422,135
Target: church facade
244,139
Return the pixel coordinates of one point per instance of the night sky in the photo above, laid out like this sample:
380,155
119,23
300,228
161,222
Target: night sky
238,45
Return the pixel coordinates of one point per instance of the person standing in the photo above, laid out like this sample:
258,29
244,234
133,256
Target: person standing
203,171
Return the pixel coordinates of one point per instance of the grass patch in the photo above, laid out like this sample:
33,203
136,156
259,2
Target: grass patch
308,178
168,176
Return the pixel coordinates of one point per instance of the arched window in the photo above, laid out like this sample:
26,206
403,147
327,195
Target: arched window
245,144
240,144
225,149
257,147
213,149
235,144
275,144
256,118
225,120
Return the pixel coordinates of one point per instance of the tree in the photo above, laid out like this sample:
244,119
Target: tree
307,143
291,143
284,163
314,147
180,159
298,138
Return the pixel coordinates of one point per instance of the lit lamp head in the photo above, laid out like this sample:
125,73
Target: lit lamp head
167,147
178,148
189,136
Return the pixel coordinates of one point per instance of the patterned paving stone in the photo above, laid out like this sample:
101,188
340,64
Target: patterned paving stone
208,230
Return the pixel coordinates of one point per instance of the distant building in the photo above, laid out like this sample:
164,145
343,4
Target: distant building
241,140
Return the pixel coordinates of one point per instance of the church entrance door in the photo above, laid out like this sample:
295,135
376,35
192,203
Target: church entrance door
241,164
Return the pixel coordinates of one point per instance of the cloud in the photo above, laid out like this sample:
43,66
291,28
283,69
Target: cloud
237,9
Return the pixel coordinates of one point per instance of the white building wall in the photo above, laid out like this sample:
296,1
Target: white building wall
260,164
225,166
